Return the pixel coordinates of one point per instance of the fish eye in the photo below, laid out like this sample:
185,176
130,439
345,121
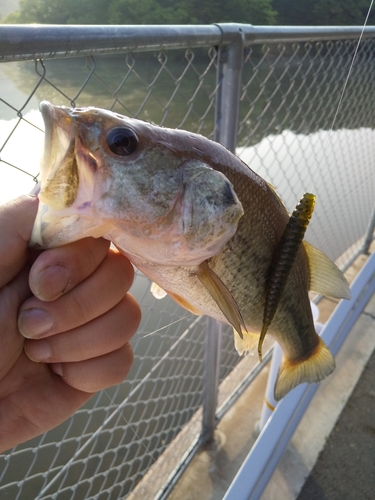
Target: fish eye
122,141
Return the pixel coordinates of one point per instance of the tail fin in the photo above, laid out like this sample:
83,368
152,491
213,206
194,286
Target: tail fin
315,368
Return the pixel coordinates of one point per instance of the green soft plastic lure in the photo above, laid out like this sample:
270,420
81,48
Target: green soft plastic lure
284,258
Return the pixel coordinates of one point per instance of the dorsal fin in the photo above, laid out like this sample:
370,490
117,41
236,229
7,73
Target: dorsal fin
222,296
325,277
274,191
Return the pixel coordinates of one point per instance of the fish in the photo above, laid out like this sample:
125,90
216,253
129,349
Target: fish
194,218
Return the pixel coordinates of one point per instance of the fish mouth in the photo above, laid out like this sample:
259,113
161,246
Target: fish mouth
67,181
59,174
57,125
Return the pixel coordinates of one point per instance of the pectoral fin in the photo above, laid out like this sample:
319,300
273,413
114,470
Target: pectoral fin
222,296
325,277
157,291
185,304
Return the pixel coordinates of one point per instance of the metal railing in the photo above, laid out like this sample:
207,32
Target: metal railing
268,93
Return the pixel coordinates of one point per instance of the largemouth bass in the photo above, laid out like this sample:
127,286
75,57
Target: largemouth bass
193,218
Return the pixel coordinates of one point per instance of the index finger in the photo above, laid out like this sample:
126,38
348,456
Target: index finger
58,270
16,223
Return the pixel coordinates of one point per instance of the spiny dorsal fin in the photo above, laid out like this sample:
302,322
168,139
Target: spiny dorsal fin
222,296
325,277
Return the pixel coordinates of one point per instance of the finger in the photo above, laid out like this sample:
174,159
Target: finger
11,342
105,334
16,223
58,270
93,297
99,373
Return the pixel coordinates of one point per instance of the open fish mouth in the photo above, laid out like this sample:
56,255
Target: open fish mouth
59,176
66,183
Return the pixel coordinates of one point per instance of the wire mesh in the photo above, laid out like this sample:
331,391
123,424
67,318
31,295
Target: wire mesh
287,133
298,133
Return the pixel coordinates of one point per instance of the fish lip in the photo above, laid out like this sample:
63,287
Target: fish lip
46,110
57,126
55,116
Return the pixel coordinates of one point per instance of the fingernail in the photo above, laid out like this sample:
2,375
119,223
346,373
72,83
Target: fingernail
35,191
52,282
39,350
33,323
57,368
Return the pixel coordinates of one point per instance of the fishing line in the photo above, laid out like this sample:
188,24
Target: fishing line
347,80
165,326
351,67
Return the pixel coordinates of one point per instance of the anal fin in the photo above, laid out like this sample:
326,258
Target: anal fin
315,368
247,343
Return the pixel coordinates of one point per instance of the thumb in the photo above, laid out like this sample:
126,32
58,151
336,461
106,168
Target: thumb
16,223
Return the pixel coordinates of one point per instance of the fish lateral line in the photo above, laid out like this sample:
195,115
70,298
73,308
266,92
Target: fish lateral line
283,260
222,296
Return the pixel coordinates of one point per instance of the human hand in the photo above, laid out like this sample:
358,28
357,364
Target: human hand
65,323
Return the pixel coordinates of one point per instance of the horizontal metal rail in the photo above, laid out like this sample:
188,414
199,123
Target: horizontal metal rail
266,34
263,458
24,42
20,42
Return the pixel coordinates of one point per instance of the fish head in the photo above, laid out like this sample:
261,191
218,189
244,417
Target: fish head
141,186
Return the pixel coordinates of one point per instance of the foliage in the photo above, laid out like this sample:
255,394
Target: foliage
258,12
60,12
337,12
142,12
322,12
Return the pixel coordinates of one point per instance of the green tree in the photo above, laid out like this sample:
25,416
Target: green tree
147,12
341,13
294,12
322,12
143,12
60,12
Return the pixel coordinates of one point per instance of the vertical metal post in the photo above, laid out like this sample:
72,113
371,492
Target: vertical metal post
212,350
230,59
369,235
229,74
269,403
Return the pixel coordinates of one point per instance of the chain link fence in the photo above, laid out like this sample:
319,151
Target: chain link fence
288,131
